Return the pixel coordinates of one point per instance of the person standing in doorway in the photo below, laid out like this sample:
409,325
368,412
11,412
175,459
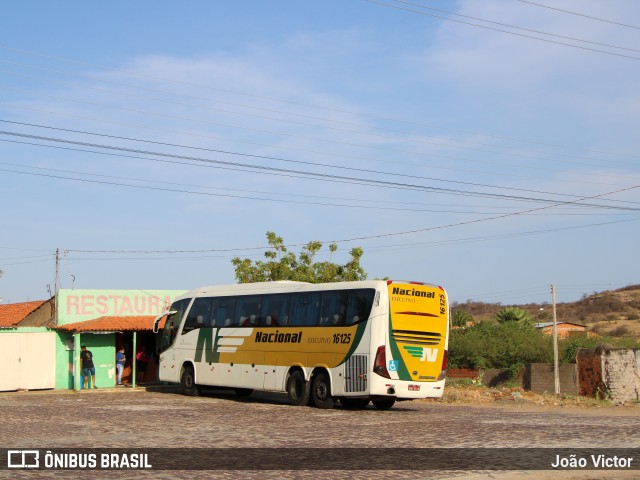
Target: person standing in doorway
120,359
142,358
87,367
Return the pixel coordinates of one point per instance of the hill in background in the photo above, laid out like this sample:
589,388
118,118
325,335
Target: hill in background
614,313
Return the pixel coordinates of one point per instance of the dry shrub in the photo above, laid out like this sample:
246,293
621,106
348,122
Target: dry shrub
471,394
474,395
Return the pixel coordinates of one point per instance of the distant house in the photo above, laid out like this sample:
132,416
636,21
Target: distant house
564,328
27,346
14,313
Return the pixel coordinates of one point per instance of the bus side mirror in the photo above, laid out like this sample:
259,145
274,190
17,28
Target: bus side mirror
156,322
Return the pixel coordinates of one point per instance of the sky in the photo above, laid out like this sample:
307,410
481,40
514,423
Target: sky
489,147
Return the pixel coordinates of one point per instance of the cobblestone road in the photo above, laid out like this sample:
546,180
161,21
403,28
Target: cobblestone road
141,419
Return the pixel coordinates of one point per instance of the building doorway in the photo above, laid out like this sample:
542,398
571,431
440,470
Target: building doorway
144,358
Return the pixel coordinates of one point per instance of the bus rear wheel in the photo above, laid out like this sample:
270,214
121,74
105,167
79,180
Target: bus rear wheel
321,391
188,381
298,389
384,403
354,403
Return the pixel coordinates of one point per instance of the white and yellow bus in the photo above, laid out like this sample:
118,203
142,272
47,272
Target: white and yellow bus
355,342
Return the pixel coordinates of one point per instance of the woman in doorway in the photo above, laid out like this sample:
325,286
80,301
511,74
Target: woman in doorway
142,358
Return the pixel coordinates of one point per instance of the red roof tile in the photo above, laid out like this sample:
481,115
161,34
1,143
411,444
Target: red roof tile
111,324
13,313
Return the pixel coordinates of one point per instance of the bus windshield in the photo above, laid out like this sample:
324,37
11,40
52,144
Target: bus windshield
172,323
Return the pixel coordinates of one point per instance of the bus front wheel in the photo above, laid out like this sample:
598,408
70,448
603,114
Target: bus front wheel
321,391
298,389
384,403
188,381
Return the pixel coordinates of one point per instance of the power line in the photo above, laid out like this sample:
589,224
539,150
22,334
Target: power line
580,14
529,154
497,237
264,117
2,247
356,157
367,237
265,157
469,222
323,176
368,200
516,27
291,135
28,257
25,263
321,107
242,127
328,127
402,246
504,31
404,208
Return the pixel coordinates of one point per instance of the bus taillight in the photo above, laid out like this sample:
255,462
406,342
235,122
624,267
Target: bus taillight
445,361
380,363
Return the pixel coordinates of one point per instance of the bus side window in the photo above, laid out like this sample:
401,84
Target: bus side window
225,311
305,309
198,315
360,303
275,310
326,308
249,311
340,309
333,308
210,320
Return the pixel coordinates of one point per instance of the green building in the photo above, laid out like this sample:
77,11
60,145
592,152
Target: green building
43,347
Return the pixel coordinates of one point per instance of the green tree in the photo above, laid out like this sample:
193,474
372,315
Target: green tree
281,264
513,314
498,345
461,318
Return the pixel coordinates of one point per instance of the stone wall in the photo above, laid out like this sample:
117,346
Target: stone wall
463,373
612,373
621,370
540,378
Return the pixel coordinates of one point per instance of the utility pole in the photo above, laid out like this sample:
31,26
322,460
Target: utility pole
55,288
556,369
